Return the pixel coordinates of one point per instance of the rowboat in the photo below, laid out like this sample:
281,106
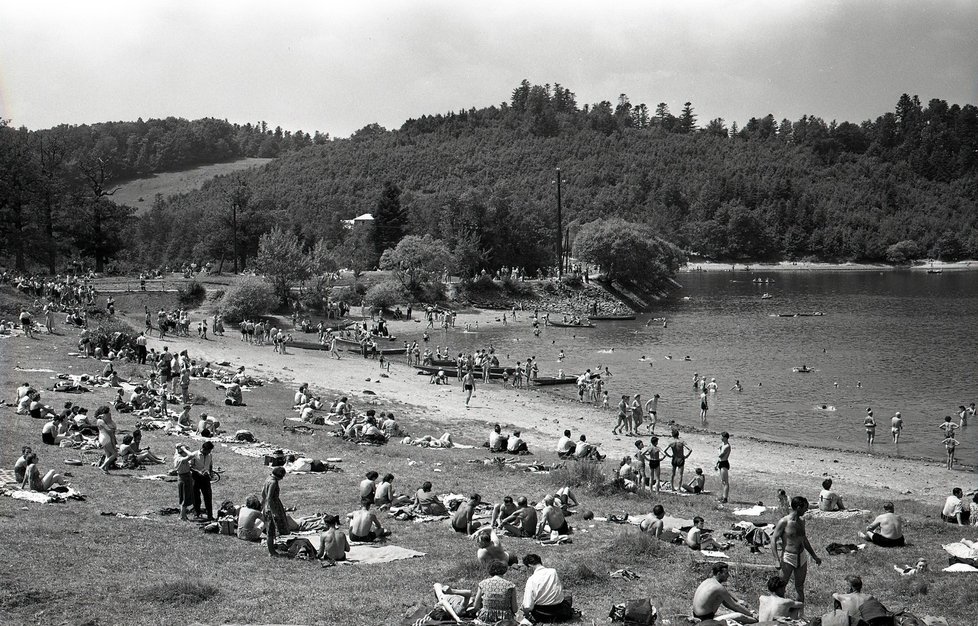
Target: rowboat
563,325
452,372
804,369
553,380
343,341
306,345
384,351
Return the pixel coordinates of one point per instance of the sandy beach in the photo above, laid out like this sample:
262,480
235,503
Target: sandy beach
542,417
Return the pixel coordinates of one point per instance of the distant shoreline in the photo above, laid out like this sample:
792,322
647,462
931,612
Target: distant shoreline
807,266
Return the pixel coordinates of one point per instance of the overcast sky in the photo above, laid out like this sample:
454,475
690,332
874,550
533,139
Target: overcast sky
338,66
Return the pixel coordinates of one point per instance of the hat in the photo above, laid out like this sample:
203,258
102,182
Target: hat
898,413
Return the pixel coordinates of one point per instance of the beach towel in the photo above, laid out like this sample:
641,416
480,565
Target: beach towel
360,553
7,476
847,514
673,523
714,554
961,550
125,515
160,477
753,511
49,497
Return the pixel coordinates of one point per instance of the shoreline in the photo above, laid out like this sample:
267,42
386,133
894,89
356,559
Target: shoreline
807,266
542,416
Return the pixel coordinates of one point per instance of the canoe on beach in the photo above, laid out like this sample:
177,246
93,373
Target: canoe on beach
564,325
343,341
452,372
552,380
384,351
610,318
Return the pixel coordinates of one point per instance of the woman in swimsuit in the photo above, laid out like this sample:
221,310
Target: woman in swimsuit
106,437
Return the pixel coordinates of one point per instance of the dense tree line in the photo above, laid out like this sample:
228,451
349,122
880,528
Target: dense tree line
482,181
56,184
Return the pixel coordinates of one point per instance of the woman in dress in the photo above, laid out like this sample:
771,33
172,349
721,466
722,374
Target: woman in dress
106,437
495,598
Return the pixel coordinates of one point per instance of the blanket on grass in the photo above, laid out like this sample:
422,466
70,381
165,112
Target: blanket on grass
847,514
361,553
48,497
7,476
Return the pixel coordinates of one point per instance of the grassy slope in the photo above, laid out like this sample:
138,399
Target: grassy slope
139,193
66,551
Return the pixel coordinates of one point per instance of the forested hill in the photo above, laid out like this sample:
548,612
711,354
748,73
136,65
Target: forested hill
482,180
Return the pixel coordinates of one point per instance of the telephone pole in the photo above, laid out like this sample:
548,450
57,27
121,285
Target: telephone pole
560,232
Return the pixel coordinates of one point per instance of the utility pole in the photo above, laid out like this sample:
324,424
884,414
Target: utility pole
234,234
560,232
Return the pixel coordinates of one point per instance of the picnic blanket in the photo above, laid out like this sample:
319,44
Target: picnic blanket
363,553
961,550
847,514
260,450
160,477
753,511
49,497
7,476
960,567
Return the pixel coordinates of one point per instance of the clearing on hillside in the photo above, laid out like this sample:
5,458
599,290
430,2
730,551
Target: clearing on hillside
139,193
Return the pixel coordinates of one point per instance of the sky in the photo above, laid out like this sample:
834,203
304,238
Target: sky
338,66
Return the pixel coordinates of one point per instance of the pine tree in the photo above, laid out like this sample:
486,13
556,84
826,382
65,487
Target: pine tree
389,218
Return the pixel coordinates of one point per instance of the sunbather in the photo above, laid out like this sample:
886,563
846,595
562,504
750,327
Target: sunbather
886,530
776,605
552,516
828,500
712,594
385,496
427,503
656,526
33,479
362,523
501,511
249,520
696,483
491,548
523,521
334,544
233,396
696,539
462,519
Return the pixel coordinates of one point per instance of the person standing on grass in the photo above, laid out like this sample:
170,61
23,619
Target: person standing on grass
201,466
654,455
182,463
723,465
468,384
272,509
795,548
106,437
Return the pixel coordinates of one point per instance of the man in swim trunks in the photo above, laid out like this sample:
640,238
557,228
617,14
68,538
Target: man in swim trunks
334,544
553,516
678,451
368,487
362,523
523,521
652,409
870,423
793,557
886,530
723,465
462,519
654,456
711,595
896,427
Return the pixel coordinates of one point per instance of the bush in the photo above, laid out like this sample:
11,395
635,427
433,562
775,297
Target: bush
351,296
430,292
631,542
181,592
191,294
385,295
248,298
571,280
111,333
589,474
516,287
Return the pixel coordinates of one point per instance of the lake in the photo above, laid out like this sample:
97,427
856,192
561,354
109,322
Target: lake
893,341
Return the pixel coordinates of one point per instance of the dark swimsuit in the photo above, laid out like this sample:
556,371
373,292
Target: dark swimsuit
723,464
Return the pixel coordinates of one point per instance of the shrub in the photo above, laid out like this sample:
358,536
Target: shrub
571,280
631,542
350,295
589,474
181,592
430,292
191,294
385,295
111,333
248,298
516,287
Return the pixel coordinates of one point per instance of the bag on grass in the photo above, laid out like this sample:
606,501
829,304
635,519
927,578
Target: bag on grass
640,613
874,613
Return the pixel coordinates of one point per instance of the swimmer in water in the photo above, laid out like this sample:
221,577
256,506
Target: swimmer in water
663,323
859,384
687,358
737,386
836,383
668,357
560,357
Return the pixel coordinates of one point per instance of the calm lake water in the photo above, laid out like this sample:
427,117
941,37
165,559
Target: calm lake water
908,337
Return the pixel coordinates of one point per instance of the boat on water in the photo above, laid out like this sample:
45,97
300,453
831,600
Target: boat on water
808,314
766,296
935,271
567,325
804,369
610,318
553,380
345,341
384,351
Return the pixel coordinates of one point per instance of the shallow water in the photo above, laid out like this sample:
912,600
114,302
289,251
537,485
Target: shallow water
908,337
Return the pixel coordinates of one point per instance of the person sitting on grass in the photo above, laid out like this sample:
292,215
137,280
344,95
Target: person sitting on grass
502,510
33,479
427,503
711,595
543,598
385,497
233,396
587,451
362,523
655,526
696,539
491,548
497,441
854,598
333,543
249,520
54,431
696,483
953,511
516,445
886,530
829,500
462,519
565,446
776,605
552,516
523,521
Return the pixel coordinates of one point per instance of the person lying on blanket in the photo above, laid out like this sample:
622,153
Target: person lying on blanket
886,530
462,519
333,543
362,523
33,479
427,503
697,540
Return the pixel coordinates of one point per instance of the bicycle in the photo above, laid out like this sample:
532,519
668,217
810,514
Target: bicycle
216,474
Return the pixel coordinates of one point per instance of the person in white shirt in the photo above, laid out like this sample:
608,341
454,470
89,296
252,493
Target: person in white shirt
497,442
543,597
565,445
953,512
516,445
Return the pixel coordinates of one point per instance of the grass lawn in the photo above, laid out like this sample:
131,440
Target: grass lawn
69,564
